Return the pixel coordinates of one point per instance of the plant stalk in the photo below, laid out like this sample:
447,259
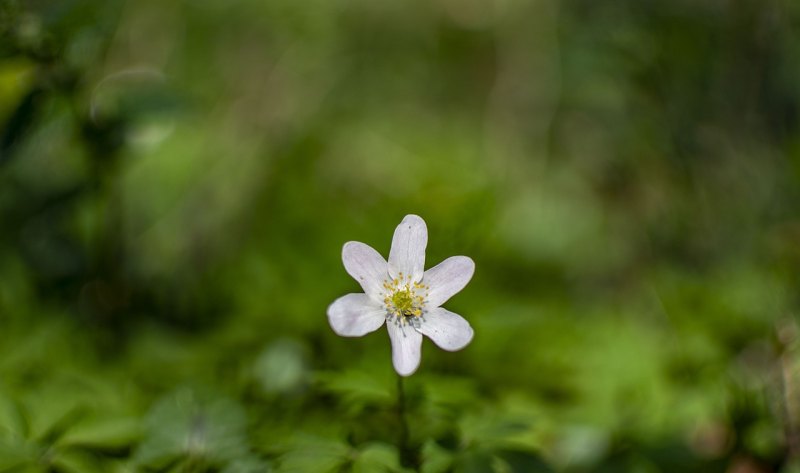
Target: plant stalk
409,456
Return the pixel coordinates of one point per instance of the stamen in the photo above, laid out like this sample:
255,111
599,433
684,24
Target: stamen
405,301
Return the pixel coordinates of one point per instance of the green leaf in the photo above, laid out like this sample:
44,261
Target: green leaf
15,453
492,428
186,424
358,389
436,459
75,461
103,433
315,454
12,421
377,457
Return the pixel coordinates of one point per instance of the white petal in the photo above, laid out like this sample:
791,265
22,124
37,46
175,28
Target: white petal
366,266
407,255
448,278
406,348
355,315
447,329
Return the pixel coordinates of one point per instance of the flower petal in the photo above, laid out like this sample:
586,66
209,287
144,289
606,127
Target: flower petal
355,315
407,255
406,348
447,278
366,266
447,329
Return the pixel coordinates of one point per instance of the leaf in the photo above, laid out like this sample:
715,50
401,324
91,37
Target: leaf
15,454
436,459
315,454
358,389
54,410
12,421
186,424
74,461
491,429
102,433
377,457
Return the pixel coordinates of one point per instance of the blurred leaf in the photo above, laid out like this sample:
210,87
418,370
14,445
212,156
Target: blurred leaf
436,459
377,457
74,461
14,453
194,427
492,429
54,410
315,454
358,389
12,421
103,433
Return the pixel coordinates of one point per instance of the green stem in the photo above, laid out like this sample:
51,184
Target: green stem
409,456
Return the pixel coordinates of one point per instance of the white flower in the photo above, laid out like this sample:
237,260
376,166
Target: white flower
403,295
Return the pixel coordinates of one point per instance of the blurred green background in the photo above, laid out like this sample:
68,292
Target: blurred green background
177,179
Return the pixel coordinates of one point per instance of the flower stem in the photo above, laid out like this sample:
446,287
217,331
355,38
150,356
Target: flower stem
409,456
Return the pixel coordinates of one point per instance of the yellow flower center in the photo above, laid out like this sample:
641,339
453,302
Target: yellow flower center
403,301
404,298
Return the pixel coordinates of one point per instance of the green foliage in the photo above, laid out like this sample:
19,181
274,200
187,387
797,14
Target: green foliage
177,180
